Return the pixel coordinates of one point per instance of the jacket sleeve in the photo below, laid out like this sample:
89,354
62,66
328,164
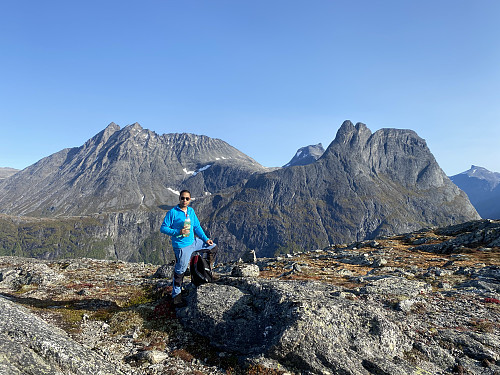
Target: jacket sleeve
198,230
166,226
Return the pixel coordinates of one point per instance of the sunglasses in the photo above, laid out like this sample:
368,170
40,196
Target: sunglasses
184,198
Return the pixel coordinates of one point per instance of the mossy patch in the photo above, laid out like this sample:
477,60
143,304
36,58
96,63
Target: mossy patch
124,321
140,297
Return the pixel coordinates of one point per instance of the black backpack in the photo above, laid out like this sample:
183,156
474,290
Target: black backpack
199,268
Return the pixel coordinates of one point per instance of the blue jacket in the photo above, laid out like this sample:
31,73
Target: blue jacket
174,222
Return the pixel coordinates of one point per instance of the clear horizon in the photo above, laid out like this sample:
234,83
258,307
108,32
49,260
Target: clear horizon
267,77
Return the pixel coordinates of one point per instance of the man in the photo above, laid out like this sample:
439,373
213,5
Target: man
181,223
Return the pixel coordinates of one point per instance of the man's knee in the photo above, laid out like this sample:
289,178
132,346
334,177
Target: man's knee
212,253
178,279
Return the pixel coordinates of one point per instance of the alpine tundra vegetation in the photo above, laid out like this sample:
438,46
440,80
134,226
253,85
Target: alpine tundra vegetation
425,302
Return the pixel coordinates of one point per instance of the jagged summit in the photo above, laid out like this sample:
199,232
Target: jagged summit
399,154
349,133
492,178
124,168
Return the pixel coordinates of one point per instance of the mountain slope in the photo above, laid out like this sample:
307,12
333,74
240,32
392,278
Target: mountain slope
120,169
483,188
365,185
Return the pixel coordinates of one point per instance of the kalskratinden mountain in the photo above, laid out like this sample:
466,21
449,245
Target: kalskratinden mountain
363,186
483,188
124,169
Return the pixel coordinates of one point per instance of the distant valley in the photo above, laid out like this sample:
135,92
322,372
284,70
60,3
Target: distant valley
107,197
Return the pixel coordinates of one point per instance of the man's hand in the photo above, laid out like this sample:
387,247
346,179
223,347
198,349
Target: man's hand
210,242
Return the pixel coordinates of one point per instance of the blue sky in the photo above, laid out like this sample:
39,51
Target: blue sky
266,76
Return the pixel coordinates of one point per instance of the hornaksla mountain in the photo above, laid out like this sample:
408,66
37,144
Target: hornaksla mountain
363,186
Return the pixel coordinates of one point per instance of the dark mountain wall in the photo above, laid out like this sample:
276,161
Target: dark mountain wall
130,236
365,185
124,169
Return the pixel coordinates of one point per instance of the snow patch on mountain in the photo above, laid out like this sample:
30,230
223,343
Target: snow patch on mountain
202,169
176,192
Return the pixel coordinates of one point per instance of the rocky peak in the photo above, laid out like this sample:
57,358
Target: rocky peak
306,155
135,126
491,178
132,131
399,153
483,188
112,127
104,135
352,135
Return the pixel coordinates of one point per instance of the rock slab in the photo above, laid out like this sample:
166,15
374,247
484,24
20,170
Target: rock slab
301,324
36,347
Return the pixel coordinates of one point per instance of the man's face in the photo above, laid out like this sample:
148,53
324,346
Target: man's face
184,199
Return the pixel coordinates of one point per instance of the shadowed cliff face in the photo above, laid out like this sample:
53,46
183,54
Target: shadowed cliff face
364,185
123,169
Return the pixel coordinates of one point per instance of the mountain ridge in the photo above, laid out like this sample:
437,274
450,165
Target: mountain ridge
121,169
364,185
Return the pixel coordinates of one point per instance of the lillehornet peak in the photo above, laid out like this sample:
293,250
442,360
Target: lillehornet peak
364,185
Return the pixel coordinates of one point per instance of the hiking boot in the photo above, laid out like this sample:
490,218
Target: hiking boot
179,302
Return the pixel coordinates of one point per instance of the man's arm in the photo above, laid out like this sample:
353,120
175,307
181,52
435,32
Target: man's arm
166,226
